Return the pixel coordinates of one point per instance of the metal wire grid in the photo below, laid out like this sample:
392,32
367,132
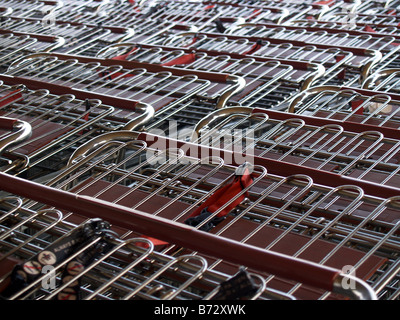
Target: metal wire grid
28,8
342,64
15,46
379,7
197,14
58,123
274,81
163,89
384,44
340,223
291,9
128,270
79,39
366,155
387,45
373,17
385,281
345,104
380,27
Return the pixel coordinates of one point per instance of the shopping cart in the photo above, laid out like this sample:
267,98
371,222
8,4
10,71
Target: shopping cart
58,124
292,9
31,8
380,27
368,38
346,38
357,154
268,82
223,254
15,45
349,104
364,20
175,94
184,13
79,39
379,7
342,64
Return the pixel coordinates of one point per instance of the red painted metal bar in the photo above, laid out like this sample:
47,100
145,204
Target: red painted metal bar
182,235
40,37
354,50
328,30
346,125
117,102
296,64
7,123
274,166
219,77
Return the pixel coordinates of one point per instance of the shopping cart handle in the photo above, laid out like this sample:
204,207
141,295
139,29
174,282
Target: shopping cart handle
218,114
239,84
374,79
100,140
147,113
20,131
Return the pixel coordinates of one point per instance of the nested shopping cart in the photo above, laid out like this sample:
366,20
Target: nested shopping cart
79,39
268,82
175,94
367,39
342,64
31,8
377,108
291,9
158,197
57,124
187,13
379,7
331,151
378,27
15,45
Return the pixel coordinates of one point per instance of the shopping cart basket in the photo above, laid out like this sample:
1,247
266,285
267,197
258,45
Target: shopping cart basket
359,152
364,21
380,28
268,82
58,123
349,104
184,13
341,64
79,39
379,7
15,45
292,9
31,8
188,187
214,252
175,94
